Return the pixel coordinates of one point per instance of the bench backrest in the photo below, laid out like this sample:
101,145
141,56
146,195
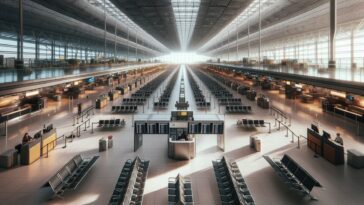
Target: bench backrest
301,174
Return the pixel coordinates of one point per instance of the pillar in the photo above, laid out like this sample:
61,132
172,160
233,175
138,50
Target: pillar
260,32
37,50
53,51
20,41
352,49
65,51
333,19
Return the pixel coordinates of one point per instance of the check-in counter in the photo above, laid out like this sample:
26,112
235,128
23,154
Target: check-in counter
48,141
101,102
113,95
181,149
329,149
30,152
314,141
333,152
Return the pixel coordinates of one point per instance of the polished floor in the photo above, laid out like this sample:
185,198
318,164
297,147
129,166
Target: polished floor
342,185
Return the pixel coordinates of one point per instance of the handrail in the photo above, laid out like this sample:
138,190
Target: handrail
84,113
55,141
277,113
289,131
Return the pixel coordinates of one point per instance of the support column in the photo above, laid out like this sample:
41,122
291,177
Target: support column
115,41
316,51
228,54
104,29
333,19
237,45
53,51
249,34
127,57
352,49
260,32
37,41
136,47
20,49
65,51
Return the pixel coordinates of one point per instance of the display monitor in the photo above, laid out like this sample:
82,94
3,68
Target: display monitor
351,98
90,80
314,128
38,135
326,135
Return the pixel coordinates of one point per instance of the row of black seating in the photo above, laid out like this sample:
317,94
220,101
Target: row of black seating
232,186
200,98
238,109
163,100
292,174
161,105
230,101
70,175
233,105
134,101
251,123
112,123
180,191
124,108
129,187
215,88
148,89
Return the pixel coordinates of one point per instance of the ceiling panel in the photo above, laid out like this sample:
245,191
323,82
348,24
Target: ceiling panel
155,17
213,16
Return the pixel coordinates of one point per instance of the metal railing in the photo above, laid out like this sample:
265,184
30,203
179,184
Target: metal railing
277,113
84,114
54,142
289,131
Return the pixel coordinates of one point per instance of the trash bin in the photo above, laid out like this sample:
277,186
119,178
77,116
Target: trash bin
257,144
110,142
252,141
9,159
102,145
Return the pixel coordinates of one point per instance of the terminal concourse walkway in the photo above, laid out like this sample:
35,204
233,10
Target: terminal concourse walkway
342,185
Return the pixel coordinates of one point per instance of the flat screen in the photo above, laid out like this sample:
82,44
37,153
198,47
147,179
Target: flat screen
90,80
314,128
326,135
350,98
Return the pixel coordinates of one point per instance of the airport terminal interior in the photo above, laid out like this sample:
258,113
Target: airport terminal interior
181,102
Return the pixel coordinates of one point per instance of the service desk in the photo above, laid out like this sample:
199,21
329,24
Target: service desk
101,102
48,141
114,95
333,152
30,152
327,148
182,149
314,141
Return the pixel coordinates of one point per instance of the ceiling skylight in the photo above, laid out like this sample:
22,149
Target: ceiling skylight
185,12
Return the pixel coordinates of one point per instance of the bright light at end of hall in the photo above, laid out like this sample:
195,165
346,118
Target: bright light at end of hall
183,57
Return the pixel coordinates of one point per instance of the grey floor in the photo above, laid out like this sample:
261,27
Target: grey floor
342,185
